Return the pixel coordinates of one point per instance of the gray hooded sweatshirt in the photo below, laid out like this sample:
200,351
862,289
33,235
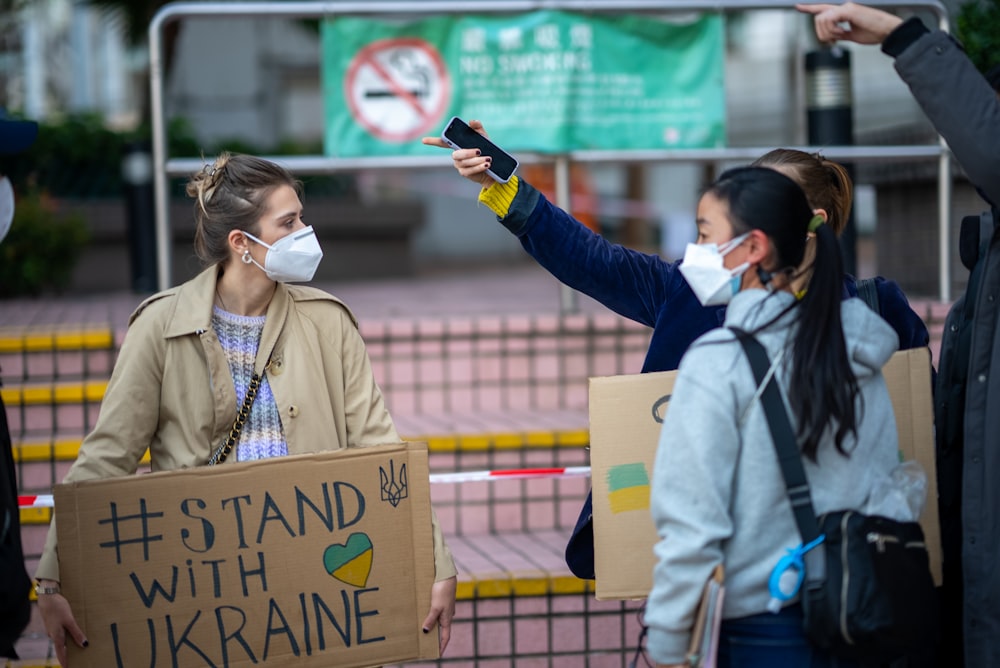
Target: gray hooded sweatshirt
718,495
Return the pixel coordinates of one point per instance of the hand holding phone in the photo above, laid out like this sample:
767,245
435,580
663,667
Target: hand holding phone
458,134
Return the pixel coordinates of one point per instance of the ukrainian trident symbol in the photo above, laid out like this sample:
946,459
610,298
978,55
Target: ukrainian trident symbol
393,491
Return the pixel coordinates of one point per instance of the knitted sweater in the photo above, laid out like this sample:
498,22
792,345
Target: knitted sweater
239,336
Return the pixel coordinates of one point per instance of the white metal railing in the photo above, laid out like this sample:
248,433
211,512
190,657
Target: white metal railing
163,167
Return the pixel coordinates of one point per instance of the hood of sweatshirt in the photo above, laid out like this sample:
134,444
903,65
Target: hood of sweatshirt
870,340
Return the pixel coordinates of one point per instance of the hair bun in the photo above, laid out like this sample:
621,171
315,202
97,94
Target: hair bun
204,182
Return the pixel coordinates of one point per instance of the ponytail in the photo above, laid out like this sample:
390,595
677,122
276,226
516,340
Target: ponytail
822,387
839,196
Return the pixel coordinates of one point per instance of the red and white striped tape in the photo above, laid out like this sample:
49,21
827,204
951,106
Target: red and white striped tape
36,501
46,500
512,474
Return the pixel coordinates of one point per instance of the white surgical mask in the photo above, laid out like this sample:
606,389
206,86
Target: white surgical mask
291,259
6,206
711,282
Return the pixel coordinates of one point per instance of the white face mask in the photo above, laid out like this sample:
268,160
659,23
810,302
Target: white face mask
710,281
291,259
6,206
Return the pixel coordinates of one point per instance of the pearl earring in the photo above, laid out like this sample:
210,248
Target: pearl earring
246,257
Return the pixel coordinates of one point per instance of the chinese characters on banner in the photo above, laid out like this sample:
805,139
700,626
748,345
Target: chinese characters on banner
548,81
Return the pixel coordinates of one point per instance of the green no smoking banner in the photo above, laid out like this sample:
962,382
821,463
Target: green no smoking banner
548,81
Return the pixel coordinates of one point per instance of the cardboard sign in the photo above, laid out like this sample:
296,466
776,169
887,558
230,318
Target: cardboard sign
625,417
317,560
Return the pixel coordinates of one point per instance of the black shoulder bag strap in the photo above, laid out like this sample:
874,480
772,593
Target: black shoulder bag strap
789,458
869,293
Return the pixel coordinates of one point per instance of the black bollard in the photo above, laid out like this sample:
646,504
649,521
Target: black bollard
137,186
830,122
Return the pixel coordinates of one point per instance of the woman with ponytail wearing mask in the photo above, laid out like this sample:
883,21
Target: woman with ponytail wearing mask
646,287
241,318
718,495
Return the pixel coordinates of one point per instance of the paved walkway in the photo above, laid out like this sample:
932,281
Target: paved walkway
520,289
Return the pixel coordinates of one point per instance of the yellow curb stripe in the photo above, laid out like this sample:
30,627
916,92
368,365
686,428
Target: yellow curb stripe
466,590
494,587
541,439
68,449
60,393
507,441
571,438
569,584
504,585
36,515
62,450
65,450
37,340
577,438
531,585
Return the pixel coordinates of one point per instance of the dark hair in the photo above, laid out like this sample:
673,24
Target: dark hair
231,194
822,386
827,184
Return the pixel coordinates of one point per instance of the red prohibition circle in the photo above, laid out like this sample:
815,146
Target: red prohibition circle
428,117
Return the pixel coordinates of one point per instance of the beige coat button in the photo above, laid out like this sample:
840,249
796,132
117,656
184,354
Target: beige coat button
293,411
276,368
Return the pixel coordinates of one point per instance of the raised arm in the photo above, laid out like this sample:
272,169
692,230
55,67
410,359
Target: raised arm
631,283
953,94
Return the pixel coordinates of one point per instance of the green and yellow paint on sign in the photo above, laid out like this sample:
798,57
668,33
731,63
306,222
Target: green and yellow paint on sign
628,487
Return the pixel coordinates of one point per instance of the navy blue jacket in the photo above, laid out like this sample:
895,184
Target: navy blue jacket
648,289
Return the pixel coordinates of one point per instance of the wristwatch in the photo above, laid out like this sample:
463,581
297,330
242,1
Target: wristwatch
41,589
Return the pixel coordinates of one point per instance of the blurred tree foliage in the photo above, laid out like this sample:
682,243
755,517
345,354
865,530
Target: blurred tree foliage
41,248
978,28
79,157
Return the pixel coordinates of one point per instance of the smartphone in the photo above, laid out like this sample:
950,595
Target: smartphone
458,134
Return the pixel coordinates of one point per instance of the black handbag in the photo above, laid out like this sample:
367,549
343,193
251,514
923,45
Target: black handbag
867,591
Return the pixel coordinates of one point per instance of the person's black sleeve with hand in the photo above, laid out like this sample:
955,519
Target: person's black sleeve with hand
956,98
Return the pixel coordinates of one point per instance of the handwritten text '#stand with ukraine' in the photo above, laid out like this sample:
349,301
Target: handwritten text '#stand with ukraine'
323,559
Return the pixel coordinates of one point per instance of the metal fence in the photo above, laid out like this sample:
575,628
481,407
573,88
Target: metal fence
553,631
164,166
509,364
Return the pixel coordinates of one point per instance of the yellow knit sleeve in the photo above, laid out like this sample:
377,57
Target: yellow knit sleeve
498,197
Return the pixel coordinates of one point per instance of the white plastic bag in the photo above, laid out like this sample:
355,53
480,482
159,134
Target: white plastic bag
901,494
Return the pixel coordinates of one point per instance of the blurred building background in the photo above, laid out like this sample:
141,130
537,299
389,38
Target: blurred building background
255,84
